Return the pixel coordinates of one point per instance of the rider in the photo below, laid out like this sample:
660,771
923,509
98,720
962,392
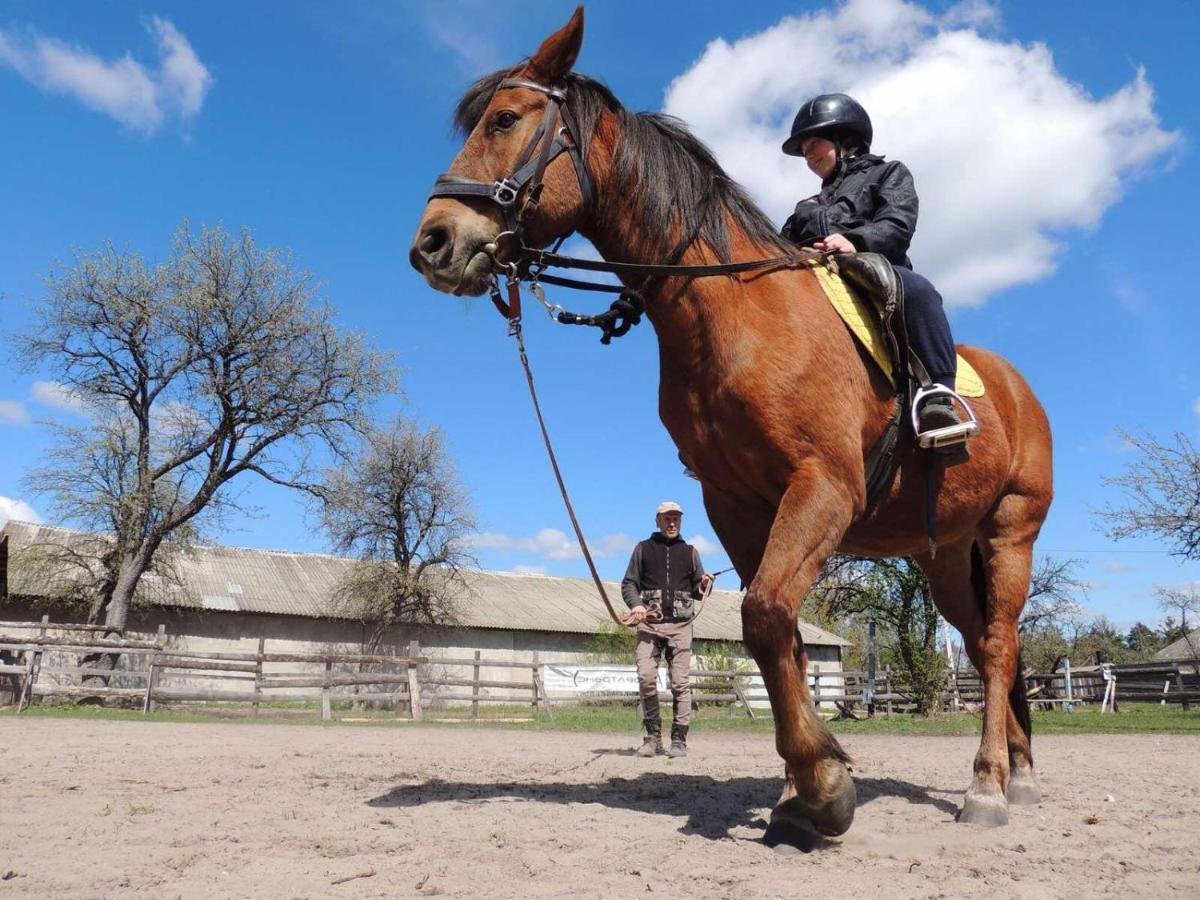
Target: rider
869,204
661,585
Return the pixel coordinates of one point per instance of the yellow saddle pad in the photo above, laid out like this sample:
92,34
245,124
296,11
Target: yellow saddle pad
866,327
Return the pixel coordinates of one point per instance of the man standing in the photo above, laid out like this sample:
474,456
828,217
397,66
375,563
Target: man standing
661,586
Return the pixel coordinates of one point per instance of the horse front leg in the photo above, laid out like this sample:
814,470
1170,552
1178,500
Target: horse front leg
810,522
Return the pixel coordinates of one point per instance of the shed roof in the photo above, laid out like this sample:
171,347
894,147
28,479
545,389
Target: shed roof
281,582
1184,648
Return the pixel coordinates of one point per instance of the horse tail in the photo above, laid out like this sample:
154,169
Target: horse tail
1016,695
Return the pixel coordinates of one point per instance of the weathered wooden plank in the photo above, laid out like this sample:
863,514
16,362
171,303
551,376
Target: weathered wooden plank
275,682
53,640
483,682
176,662
42,689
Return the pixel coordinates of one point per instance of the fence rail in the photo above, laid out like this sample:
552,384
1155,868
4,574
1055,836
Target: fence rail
409,682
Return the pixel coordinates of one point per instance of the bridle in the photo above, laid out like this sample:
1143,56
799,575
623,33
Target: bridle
519,262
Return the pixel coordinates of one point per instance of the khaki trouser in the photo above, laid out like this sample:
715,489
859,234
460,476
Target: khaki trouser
676,639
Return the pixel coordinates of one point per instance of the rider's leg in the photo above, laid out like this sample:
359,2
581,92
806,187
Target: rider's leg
927,327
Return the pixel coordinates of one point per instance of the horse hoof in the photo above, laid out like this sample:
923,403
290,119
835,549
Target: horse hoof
1023,789
830,817
984,809
788,837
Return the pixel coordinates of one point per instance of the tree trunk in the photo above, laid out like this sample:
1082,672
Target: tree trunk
116,612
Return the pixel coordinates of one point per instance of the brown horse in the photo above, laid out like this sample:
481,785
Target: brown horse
773,404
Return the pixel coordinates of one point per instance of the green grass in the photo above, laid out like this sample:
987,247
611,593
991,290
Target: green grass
1143,718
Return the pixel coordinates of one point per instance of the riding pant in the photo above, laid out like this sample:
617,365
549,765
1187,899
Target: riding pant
927,327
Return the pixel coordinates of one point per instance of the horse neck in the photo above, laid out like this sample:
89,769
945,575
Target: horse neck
690,316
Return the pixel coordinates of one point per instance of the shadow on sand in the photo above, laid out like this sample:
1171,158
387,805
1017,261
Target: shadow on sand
713,807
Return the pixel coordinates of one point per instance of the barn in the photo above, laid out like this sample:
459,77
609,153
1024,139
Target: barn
227,598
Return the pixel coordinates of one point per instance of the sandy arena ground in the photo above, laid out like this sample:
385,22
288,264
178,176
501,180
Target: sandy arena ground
116,809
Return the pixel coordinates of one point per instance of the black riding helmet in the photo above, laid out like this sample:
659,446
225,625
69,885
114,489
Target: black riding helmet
833,117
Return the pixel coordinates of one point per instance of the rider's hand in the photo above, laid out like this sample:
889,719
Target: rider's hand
639,614
835,243
706,581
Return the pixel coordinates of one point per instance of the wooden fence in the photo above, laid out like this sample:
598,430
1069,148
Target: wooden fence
32,666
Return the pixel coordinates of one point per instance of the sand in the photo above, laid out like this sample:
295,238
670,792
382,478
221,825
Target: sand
155,809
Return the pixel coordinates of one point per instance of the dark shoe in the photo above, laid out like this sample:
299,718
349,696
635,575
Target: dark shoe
678,742
652,743
939,412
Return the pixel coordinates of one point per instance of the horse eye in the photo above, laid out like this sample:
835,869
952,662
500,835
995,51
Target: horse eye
504,120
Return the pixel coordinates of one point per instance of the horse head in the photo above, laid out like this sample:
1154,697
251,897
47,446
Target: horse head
520,170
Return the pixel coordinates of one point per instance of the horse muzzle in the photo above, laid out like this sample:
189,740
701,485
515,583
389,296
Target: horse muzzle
454,257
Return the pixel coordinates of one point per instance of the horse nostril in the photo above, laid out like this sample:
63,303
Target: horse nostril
433,240
432,248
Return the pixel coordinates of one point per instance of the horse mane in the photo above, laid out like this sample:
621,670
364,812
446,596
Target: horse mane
678,180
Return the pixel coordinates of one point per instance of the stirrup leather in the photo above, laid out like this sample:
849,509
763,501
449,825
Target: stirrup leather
950,435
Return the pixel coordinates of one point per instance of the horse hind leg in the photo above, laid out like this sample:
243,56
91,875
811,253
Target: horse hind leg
1004,764
1023,788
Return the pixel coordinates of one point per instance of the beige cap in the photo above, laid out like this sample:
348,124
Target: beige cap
668,506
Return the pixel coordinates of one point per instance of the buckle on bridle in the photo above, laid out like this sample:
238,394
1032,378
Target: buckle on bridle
505,191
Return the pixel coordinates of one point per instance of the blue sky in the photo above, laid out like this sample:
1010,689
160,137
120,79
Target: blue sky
1062,240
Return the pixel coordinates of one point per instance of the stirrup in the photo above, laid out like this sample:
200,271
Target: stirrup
951,434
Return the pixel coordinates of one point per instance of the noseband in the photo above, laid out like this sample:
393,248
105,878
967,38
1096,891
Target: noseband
546,145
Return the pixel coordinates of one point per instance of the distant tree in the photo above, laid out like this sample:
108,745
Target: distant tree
1162,494
397,505
896,594
212,365
1054,591
1143,640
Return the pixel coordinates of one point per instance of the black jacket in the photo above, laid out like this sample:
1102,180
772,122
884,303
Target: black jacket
668,566
870,200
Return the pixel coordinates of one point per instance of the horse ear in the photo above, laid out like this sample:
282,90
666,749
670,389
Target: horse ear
558,52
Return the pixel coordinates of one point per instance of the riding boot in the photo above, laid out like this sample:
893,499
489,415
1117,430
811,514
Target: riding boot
652,743
678,741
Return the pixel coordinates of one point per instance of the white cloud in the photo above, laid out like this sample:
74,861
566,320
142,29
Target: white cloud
704,546
123,89
1006,152
19,510
13,413
58,396
550,543
1196,406
1116,567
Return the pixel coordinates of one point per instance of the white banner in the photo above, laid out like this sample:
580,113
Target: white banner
601,679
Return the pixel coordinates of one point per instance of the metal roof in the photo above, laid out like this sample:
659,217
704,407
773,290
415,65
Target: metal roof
280,582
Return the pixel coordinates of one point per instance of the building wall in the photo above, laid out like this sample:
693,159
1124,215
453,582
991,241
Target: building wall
208,631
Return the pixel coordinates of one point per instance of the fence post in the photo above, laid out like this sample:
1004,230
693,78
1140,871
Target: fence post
152,672
326,707
33,668
414,685
869,692
258,674
1185,703
475,689
533,677
887,689
816,670
1069,706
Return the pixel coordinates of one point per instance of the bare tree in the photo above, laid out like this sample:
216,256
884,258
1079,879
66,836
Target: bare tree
398,507
1054,591
1162,494
213,364
1185,602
